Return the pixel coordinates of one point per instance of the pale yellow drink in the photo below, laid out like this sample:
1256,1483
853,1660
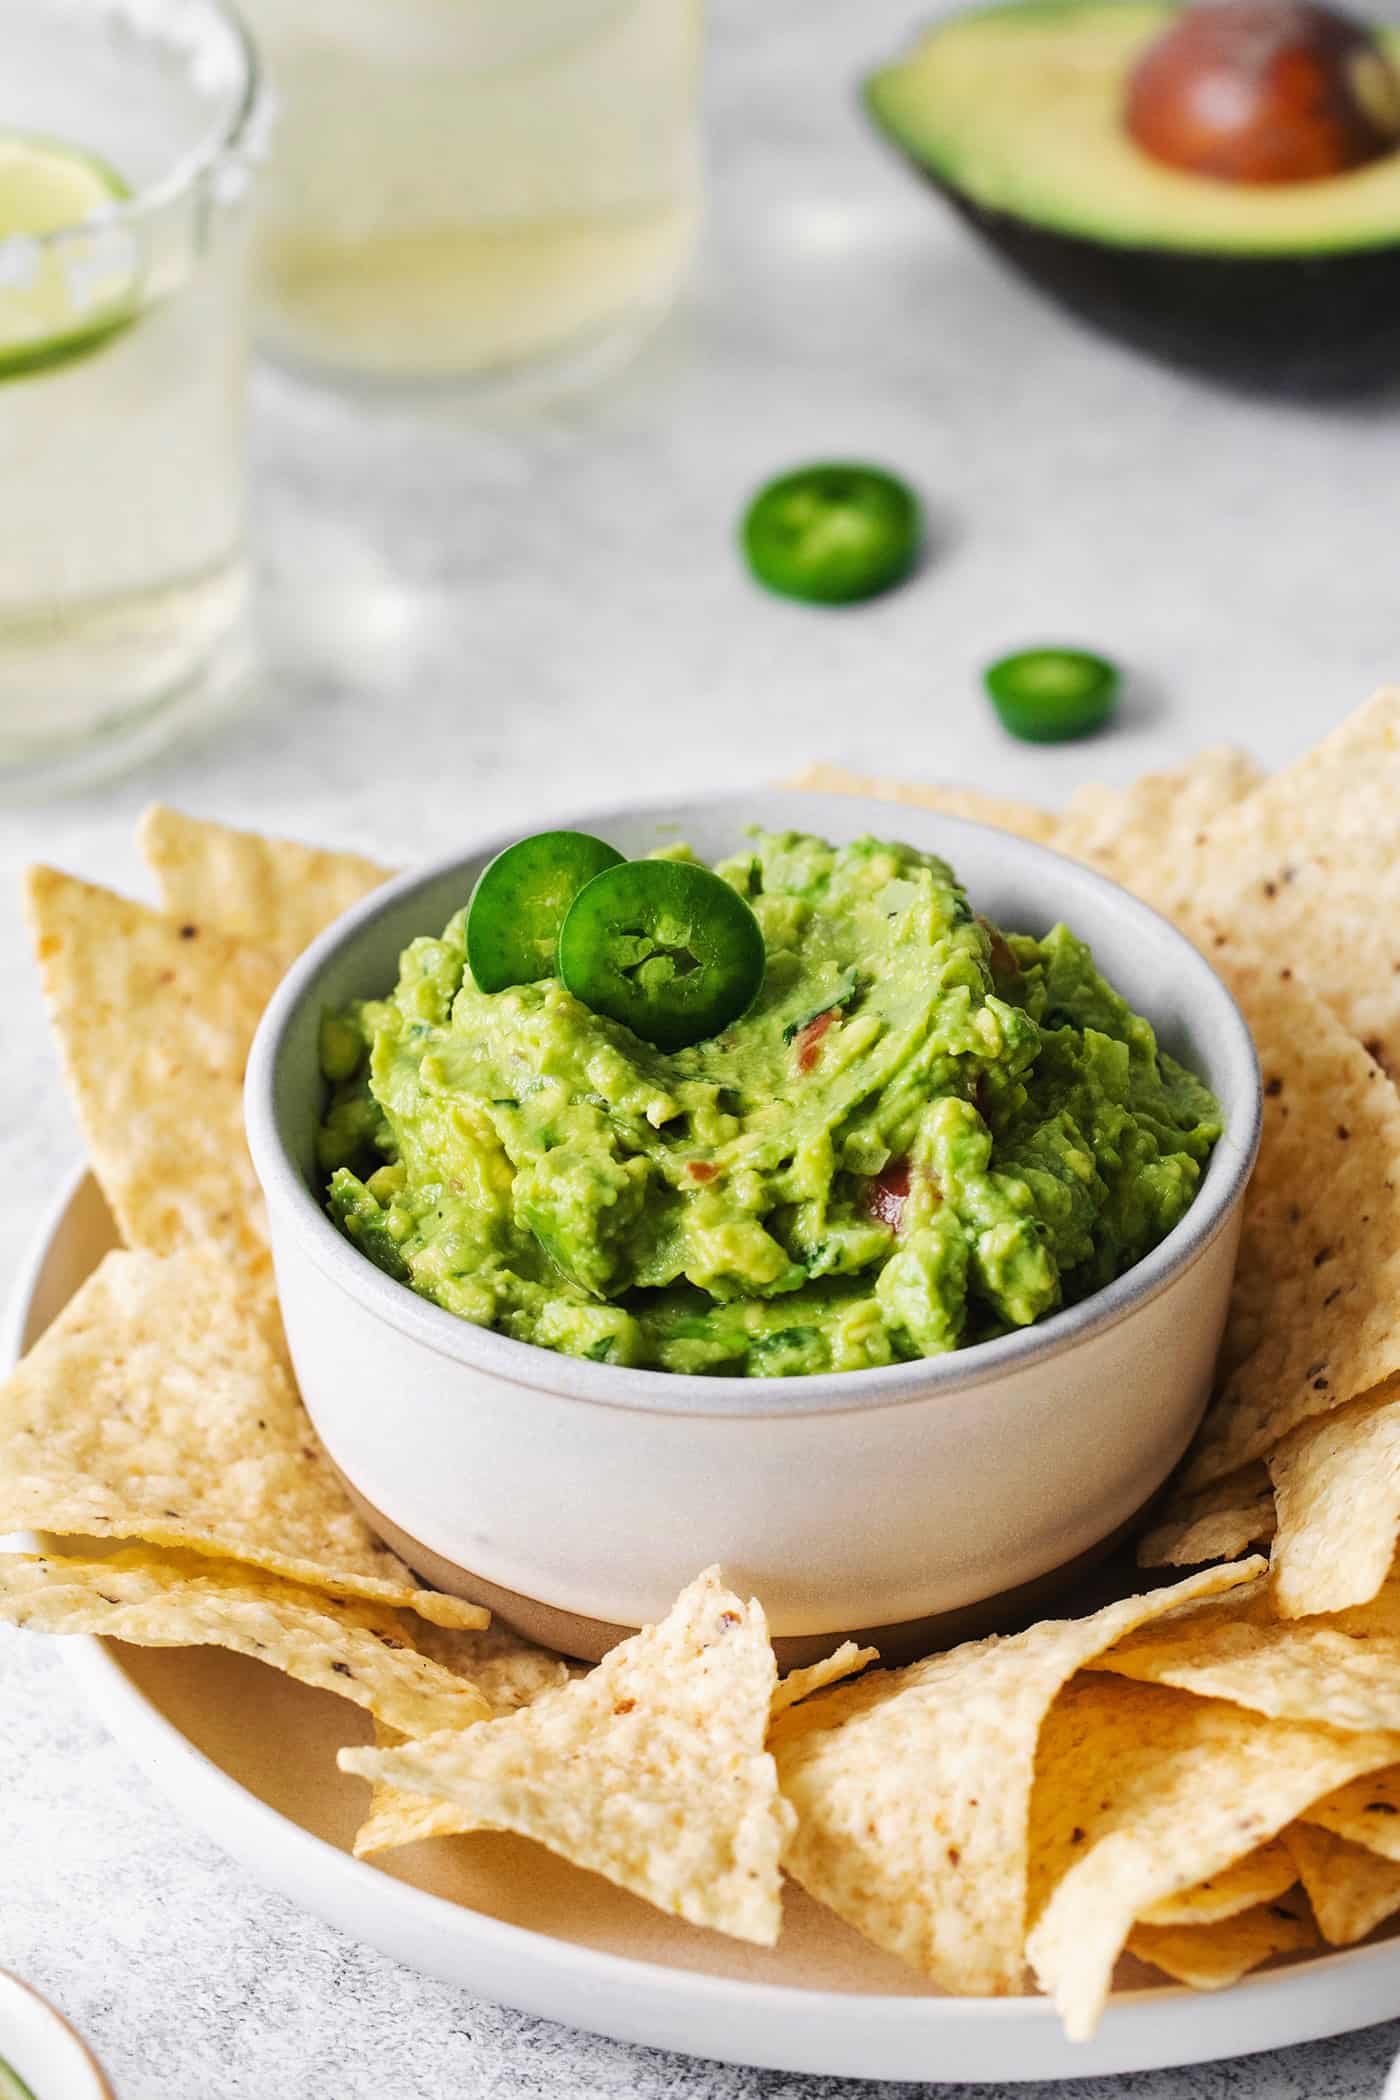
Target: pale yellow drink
126,466
466,188
124,143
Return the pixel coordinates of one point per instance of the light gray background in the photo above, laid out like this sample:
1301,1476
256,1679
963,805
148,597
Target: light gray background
466,628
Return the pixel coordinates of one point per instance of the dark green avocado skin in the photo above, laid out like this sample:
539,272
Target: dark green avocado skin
1304,326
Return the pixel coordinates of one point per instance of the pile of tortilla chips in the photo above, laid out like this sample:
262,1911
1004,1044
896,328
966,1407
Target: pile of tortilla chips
1205,1776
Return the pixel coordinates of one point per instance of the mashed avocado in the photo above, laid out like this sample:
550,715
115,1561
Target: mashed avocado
924,1132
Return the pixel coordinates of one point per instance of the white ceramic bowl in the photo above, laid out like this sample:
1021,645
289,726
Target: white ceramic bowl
577,1499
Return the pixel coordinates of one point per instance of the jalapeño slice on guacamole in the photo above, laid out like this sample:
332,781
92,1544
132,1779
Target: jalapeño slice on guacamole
665,947
522,899
924,1131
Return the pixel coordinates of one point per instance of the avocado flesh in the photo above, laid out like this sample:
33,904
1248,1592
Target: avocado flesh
1018,111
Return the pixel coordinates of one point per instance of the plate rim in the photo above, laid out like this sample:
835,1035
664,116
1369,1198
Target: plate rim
636,2000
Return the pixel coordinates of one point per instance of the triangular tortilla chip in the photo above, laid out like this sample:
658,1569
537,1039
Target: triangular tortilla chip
1308,867
155,1600
912,1789
1222,1522
1337,1483
1312,1317
1141,1792
651,1770
154,1018
156,1408
1350,1889
1211,1957
512,1674
273,891
1000,811
1343,1672
1151,836
1260,1877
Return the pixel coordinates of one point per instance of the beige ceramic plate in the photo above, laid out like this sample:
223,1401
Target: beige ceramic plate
250,1756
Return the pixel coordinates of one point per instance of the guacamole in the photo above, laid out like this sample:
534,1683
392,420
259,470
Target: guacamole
924,1132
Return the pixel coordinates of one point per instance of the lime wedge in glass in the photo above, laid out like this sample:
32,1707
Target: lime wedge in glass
58,297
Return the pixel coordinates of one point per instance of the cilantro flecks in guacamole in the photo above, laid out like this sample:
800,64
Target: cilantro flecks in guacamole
923,1132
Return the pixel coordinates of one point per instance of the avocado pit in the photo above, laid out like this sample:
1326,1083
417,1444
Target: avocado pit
1265,91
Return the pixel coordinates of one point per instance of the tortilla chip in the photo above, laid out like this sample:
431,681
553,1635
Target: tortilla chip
1211,1957
1152,835
154,1018
154,1600
1337,1482
1140,1792
1365,1812
650,1771
1001,812
1312,1316
1351,1890
273,891
1307,867
1260,1877
510,1673
912,1789
1343,1672
845,1661
156,1408
1223,1522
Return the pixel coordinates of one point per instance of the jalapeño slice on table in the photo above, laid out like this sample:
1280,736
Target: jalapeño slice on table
832,534
665,947
1048,696
521,900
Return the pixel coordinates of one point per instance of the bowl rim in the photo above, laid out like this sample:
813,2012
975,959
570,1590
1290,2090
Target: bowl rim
531,1365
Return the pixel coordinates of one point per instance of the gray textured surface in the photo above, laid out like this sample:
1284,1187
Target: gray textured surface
554,608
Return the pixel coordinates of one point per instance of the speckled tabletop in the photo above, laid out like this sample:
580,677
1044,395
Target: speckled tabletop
552,610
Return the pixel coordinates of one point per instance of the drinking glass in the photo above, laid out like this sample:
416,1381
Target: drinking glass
128,131
475,190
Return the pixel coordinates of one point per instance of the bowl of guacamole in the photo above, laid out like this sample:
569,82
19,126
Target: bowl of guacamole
902,1284
924,1131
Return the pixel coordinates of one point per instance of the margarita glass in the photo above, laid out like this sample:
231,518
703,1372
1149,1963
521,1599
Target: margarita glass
475,189
127,131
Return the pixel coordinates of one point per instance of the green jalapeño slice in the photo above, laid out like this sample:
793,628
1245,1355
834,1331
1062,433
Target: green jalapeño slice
1049,696
521,901
832,534
665,947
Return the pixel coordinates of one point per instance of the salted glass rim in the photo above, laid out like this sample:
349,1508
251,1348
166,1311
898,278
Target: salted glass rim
239,138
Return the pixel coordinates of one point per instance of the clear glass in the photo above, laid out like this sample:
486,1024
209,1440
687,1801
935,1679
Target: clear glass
473,189
123,351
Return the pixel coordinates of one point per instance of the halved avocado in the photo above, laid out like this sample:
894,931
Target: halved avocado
1016,113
